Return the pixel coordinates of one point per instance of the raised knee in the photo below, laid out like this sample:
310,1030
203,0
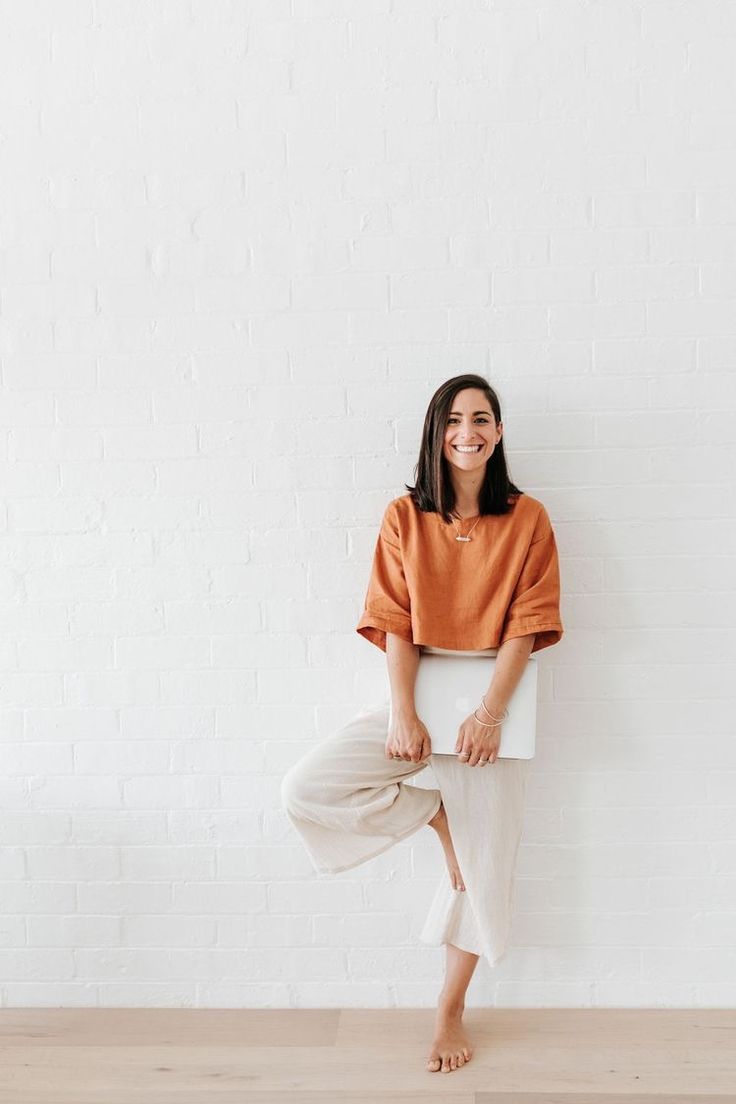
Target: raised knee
297,789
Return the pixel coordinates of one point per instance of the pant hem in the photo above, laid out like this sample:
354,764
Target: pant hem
441,941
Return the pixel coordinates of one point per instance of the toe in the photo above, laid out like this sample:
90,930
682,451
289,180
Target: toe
433,1064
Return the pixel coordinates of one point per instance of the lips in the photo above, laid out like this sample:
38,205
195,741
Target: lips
467,450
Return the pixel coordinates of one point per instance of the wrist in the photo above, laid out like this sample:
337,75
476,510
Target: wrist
496,706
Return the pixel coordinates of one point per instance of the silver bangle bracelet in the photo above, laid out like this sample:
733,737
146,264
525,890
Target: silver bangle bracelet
503,716
494,725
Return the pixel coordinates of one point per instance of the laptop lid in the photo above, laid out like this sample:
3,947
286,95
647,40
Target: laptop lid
449,687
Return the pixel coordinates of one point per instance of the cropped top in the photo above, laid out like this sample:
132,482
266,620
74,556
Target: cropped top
440,593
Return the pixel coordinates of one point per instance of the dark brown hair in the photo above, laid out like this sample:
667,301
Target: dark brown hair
433,490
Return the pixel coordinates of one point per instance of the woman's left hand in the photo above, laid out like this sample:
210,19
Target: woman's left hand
477,744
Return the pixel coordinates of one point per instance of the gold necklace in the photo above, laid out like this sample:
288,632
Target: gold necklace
459,537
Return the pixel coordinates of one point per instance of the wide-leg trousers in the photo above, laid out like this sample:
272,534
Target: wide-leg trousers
349,803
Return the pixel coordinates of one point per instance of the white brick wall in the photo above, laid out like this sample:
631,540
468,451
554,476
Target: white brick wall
241,242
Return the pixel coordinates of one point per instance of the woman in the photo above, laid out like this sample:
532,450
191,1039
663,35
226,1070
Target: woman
465,562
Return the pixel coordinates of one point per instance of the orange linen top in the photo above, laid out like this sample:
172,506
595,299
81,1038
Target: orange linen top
431,589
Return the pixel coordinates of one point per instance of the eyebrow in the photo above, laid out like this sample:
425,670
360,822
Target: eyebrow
474,412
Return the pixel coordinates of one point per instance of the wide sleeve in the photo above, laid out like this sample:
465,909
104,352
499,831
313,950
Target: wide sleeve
535,603
387,607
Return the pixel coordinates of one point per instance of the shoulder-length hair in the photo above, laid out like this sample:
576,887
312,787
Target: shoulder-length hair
433,490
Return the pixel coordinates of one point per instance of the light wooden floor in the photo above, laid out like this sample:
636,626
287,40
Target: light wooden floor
193,1056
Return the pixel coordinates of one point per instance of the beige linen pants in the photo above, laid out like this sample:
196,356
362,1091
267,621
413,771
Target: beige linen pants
349,802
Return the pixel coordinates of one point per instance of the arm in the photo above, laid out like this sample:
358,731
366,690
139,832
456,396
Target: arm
475,742
535,603
402,660
387,603
510,663
408,737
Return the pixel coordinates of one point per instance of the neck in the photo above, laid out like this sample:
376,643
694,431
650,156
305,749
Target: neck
466,509
466,495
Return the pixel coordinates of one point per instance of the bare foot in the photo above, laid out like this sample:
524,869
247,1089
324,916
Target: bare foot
442,828
451,1047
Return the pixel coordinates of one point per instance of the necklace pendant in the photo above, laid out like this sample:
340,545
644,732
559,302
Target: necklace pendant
463,538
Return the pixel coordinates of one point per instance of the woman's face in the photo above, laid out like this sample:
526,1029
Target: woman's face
471,433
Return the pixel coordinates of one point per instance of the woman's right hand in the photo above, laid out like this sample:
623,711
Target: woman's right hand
408,737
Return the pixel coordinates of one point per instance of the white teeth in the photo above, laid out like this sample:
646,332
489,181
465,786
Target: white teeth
468,448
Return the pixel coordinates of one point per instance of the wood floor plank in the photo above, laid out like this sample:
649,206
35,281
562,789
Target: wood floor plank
598,1098
636,1028
238,1096
241,1096
196,1027
390,1068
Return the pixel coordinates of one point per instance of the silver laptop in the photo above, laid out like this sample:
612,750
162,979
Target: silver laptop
449,687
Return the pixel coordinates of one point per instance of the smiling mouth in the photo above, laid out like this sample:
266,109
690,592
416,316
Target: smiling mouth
467,449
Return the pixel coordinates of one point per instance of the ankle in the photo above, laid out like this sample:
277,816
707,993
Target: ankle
450,1007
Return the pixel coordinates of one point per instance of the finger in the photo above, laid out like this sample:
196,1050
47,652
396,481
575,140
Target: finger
468,752
466,748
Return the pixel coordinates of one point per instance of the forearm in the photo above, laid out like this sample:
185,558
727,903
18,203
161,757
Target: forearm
402,658
510,663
